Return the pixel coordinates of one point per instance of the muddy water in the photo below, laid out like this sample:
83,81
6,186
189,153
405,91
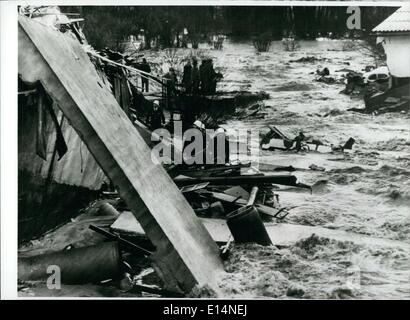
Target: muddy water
366,191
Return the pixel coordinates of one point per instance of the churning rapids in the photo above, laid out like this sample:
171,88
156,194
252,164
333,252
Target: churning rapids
366,192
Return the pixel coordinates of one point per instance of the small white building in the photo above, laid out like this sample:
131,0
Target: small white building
394,34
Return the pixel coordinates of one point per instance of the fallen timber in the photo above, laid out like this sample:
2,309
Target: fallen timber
269,211
129,246
230,99
204,171
286,180
185,254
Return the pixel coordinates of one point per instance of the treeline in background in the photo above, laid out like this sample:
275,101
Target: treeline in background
108,26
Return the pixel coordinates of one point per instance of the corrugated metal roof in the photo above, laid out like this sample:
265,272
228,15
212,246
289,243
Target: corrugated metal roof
399,21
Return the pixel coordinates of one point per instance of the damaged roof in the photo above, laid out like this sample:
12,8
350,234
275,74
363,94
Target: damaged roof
399,21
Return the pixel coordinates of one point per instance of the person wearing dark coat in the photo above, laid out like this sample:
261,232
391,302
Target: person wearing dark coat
171,82
187,77
156,118
213,77
144,80
195,77
208,77
204,76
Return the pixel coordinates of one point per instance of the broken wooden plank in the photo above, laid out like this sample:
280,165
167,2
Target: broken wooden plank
252,196
125,244
237,191
216,170
242,202
185,253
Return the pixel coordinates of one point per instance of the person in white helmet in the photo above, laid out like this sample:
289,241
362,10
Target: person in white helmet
219,148
156,118
201,127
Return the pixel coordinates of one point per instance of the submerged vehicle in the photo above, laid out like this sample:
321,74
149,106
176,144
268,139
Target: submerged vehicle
377,75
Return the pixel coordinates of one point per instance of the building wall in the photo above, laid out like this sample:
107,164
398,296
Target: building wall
51,191
397,48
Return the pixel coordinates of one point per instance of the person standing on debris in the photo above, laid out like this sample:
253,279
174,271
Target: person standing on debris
195,77
187,77
170,79
212,77
219,147
187,155
144,79
156,118
208,77
203,79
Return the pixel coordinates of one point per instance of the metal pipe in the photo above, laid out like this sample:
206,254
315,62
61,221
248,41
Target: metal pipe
75,266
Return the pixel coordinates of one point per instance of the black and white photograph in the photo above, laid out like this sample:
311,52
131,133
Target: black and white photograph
256,150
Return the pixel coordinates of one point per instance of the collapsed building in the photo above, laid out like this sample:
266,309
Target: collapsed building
394,34
79,105
74,110
57,174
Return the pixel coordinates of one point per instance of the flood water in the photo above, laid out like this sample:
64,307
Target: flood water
364,195
366,192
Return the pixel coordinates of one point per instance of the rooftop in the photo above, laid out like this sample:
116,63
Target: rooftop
399,21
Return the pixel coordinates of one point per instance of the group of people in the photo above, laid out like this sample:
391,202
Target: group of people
195,80
214,147
200,80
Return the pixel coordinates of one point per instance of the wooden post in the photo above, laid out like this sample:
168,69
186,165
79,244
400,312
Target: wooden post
185,253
